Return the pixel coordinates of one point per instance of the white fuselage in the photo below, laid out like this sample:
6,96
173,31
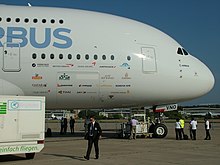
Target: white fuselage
83,59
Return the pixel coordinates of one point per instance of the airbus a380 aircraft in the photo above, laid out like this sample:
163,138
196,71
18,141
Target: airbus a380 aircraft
83,59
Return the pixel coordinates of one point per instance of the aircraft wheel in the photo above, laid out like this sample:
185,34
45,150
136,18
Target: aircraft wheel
160,131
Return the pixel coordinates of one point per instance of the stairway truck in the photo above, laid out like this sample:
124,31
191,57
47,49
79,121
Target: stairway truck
22,125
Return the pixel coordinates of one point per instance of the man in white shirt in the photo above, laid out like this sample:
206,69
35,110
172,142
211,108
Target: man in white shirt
193,124
133,124
178,129
207,127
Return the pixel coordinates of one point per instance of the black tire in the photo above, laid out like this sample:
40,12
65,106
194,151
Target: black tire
29,155
160,131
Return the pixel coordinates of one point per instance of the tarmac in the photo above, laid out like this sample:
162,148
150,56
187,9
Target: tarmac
70,149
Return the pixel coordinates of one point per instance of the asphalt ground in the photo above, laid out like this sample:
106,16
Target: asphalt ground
70,149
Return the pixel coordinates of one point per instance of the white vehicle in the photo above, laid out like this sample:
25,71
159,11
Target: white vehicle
142,128
22,125
83,59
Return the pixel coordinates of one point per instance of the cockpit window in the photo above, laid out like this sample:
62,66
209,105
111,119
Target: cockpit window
179,51
185,52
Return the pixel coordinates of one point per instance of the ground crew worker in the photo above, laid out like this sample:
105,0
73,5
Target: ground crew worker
182,124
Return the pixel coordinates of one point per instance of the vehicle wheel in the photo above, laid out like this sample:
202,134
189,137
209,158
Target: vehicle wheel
160,131
29,155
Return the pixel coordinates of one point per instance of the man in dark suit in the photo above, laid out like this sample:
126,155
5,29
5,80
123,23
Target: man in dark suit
94,134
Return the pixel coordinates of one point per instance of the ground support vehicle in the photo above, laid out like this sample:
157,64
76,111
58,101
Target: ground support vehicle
22,125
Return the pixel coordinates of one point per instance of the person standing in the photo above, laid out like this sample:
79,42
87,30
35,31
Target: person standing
72,123
207,127
178,130
61,126
94,134
86,123
182,124
133,124
65,125
193,124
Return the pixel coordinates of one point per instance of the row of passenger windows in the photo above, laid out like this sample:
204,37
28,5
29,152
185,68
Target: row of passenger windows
78,56
182,51
34,20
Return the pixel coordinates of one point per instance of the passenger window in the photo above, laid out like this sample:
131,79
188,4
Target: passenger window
52,21
78,57
17,20
128,58
35,20
51,56
8,19
69,56
86,56
26,20
95,57
104,57
43,56
179,51
61,56
112,57
185,52
61,21
44,20
34,55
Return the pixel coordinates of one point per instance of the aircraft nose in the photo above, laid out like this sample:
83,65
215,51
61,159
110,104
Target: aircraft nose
209,79
205,78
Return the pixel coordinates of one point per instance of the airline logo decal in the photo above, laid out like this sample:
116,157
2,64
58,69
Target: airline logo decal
125,65
85,86
107,66
39,85
64,92
40,65
64,76
64,85
36,77
107,77
126,77
63,65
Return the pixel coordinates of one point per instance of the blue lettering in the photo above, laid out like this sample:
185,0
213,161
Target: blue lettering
68,41
16,33
46,42
2,33
17,36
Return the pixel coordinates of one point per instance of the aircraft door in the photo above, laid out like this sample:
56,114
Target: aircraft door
11,58
149,59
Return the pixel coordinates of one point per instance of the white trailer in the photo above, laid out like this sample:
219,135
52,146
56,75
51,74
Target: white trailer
144,128
22,125
141,127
